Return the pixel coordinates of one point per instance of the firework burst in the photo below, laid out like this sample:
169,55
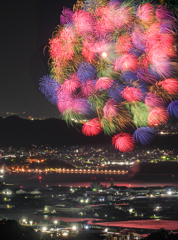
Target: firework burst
115,61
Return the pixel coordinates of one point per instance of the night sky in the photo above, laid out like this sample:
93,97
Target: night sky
26,27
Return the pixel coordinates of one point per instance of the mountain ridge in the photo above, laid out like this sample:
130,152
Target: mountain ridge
19,132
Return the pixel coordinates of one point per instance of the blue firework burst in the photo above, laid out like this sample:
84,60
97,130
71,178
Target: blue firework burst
173,109
49,87
144,135
86,71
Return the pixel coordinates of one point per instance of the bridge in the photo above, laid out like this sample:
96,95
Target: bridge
89,171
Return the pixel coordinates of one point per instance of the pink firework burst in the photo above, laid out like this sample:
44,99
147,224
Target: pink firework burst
68,35
75,105
61,50
92,127
87,49
124,142
160,45
167,41
156,55
87,88
152,101
80,106
99,47
157,117
88,55
126,62
145,12
163,68
123,16
84,22
170,85
110,109
71,84
123,44
152,35
138,38
132,94
104,83
105,20
64,101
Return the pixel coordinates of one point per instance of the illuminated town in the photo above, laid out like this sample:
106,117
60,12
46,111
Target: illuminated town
70,211
78,159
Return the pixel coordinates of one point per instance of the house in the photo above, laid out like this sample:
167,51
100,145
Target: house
129,234
139,190
35,192
21,191
125,234
6,191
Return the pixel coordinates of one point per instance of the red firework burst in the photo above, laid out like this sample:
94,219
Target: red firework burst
104,83
170,85
126,62
92,127
124,142
157,117
132,94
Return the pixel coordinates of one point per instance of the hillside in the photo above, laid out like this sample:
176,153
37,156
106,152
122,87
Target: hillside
18,132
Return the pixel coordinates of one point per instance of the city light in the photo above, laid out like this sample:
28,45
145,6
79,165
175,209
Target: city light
44,229
65,234
74,227
169,192
131,210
